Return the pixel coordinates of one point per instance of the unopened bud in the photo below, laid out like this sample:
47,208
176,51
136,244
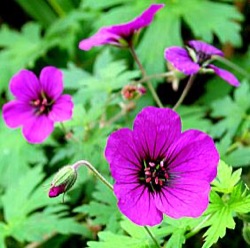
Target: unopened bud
63,181
130,91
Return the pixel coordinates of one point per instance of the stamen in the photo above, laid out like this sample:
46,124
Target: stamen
148,179
151,164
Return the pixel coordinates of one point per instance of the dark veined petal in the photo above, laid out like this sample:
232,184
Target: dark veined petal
112,34
154,131
181,60
123,157
16,113
38,129
200,46
183,198
25,86
51,81
193,156
137,204
62,109
225,75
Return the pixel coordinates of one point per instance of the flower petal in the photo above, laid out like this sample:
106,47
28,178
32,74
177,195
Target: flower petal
200,46
185,198
112,34
123,157
225,75
102,37
17,113
137,204
38,129
62,109
51,80
193,156
154,131
25,86
181,60
127,29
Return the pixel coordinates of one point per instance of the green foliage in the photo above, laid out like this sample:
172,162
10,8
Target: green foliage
20,50
138,238
228,197
232,111
22,199
105,201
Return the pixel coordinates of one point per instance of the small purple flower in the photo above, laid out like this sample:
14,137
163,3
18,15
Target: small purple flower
122,34
158,169
38,104
196,57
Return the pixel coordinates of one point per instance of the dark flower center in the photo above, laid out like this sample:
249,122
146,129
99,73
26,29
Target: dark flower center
155,175
202,58
42,105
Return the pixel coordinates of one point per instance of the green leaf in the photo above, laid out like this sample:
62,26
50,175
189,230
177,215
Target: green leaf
138,238
193,117
20,50
219,222
105,200
15,159
220,21
40,10
231,111
239,157
176,240
226,179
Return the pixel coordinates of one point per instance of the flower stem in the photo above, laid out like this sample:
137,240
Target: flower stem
233,66
94,170
144,74
159,75
197,228
152,236
57,8
110,186
185,92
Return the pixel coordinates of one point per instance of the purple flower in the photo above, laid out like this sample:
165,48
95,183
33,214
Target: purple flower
38,104
196,57
121,35
158,169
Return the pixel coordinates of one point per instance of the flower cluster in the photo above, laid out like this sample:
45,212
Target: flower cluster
158,169
38,104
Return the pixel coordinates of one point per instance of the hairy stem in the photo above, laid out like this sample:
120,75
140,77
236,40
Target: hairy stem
94,170
185,92
144,74
159,75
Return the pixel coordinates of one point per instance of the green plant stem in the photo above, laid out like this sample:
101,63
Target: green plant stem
185,92
110,186
149,77
57,8
144,74
233,66
197,228
152,236
94,170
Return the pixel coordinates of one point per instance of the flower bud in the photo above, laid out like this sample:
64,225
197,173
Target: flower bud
130,91
63,181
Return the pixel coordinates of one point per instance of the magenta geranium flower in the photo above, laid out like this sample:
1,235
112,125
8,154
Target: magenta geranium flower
160,170
198,57
122,34
39,103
